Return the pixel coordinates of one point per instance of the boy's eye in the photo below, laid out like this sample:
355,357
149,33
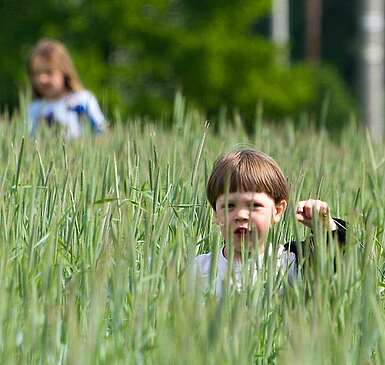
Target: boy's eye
255,205
229,205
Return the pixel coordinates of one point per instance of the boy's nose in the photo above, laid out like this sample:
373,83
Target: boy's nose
242,215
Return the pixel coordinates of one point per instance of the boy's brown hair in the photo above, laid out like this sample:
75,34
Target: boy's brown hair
58,56
246,170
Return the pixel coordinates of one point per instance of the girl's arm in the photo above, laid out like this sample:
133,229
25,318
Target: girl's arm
95,115
85,104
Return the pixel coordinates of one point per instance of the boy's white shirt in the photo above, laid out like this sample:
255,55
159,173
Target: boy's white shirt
286,263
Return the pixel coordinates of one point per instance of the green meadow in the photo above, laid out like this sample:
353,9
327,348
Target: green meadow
98,236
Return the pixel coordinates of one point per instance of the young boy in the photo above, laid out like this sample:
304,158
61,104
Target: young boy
249,193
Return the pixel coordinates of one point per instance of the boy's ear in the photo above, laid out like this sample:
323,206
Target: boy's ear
280,208
216,218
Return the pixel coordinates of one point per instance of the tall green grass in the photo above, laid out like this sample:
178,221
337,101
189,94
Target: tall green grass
98,236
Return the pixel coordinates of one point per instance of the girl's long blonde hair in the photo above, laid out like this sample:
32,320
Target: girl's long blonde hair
58,56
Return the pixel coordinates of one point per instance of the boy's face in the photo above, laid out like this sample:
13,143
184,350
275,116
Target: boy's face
250,216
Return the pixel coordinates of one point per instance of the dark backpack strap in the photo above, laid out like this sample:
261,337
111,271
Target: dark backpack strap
297,248
340,232
306,248
291,247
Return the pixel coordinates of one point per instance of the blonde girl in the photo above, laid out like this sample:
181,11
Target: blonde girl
59,97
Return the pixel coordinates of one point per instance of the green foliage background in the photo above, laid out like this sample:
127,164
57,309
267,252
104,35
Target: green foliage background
135,55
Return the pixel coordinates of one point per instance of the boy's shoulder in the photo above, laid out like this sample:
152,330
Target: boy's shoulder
203,263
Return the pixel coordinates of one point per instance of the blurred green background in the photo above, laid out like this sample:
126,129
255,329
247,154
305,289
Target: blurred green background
135,55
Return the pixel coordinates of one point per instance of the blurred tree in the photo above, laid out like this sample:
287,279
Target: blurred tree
20,25
134,55
313,9
339,42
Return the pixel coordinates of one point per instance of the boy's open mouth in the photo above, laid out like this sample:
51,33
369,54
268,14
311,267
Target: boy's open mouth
241,231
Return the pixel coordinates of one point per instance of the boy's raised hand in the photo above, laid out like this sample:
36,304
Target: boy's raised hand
307,208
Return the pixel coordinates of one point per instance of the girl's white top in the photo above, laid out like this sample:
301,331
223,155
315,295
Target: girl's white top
286,263
67,111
